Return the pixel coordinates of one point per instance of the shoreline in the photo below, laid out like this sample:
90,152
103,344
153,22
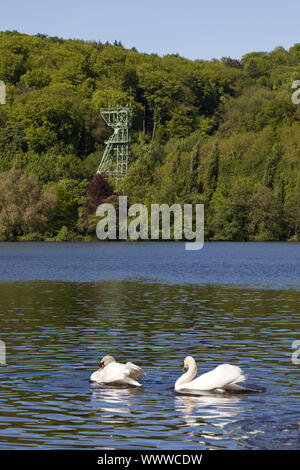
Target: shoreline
93,240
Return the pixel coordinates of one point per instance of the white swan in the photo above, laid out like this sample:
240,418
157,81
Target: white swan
221,379
114,373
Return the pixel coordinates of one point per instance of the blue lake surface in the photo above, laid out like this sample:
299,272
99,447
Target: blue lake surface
274,265
65,305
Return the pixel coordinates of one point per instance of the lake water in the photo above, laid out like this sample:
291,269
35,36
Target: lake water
64,306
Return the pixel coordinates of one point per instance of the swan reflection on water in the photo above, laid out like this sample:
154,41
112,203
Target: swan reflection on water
111,399
198,408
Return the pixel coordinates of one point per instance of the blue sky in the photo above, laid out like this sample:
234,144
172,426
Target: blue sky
195,29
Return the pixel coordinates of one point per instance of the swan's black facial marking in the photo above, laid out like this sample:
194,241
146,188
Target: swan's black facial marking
101,365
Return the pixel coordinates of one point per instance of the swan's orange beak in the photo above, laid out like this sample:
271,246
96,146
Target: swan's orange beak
101,365
184,369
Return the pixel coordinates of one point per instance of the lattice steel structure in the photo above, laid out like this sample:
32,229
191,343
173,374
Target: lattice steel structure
115,160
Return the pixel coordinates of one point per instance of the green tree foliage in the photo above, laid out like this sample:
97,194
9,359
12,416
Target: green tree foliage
265,215
213,170
69,196
271,166
24,208
231,219
223,132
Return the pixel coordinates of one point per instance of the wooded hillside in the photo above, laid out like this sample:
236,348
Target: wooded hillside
222,132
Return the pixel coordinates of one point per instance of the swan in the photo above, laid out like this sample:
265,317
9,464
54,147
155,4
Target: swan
114,373
221,379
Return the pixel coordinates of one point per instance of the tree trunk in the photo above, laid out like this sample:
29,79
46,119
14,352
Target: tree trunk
154,123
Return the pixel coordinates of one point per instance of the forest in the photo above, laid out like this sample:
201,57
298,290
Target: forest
224,133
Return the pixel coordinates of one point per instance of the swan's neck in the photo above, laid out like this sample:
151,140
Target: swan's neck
187,376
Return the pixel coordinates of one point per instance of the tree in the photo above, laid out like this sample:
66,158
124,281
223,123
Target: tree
271,166
265,215
24,208
194,171
213,170
292,212
231,215
69,196
97,191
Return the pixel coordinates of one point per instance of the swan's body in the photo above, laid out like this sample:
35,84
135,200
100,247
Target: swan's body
224,377
114,373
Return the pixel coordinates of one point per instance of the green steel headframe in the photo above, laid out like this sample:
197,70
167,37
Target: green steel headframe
115,160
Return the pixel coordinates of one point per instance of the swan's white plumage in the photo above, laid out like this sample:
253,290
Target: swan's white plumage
219,377
115,373
223,377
